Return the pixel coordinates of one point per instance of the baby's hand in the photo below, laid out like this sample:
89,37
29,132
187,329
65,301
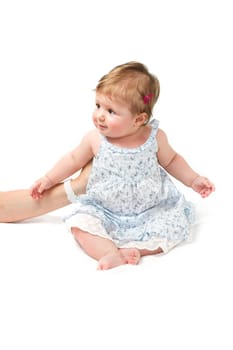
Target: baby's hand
203,186
37,189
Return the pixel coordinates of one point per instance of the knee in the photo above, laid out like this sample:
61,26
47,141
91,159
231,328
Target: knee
78,234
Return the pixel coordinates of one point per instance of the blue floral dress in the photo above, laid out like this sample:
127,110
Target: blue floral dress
131,200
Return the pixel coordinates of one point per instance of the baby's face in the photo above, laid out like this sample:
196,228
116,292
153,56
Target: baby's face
113,118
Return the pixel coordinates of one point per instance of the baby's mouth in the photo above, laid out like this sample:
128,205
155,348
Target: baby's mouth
102,127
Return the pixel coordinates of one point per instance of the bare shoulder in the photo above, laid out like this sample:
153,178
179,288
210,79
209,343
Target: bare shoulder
92,138
161,138
165,152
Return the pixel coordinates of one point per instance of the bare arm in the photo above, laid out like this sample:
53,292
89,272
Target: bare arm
66,166
18,205
178,167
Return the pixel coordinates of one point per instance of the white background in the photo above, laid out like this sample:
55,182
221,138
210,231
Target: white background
52,55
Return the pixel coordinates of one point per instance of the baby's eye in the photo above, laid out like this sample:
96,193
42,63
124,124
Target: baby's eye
110,111
97,105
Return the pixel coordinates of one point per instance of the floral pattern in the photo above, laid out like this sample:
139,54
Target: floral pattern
132,200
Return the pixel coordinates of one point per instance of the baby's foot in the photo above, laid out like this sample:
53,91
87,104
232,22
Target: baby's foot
110,260
132,255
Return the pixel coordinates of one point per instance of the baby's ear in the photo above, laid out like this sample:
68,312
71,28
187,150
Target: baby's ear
141,119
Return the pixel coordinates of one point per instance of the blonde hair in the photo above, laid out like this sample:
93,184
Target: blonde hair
132,83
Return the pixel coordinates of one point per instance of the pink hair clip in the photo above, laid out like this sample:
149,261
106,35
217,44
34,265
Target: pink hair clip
147,98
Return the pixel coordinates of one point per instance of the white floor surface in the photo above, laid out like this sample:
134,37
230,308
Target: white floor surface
52,55
52,296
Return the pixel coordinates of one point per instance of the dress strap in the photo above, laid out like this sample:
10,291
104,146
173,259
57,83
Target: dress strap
151,139
154,124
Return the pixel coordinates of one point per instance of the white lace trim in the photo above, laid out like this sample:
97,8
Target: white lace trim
93,225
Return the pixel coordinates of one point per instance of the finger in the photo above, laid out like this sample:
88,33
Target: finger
202,193
212,187
206,192
35,195
207,182
41,189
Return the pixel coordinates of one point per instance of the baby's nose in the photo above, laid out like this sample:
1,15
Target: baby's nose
101,116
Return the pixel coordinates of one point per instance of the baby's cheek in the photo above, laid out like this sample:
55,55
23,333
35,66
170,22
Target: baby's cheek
115,124
94,120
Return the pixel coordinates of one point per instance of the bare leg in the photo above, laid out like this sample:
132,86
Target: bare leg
104,250
18,205
106,253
